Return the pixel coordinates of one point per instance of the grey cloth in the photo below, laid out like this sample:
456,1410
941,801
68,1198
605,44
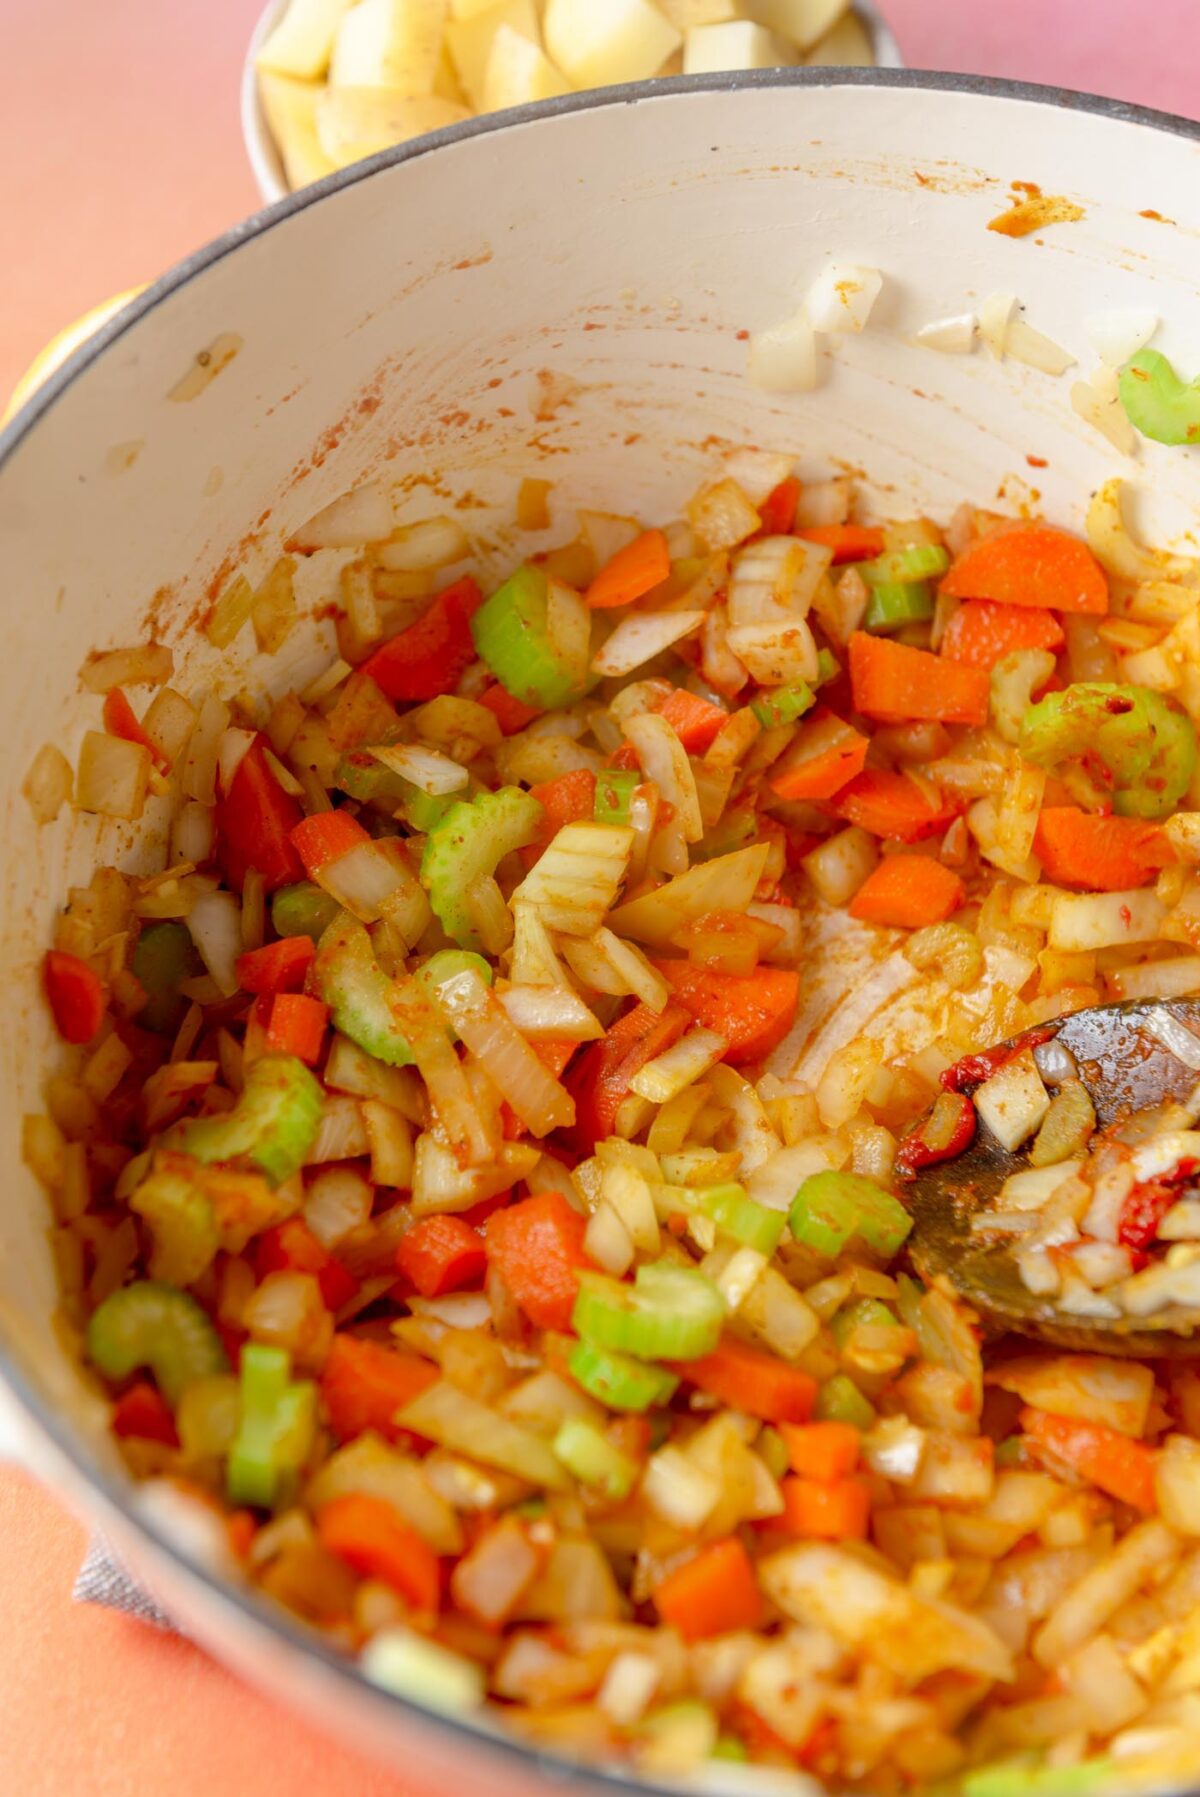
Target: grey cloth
102,1579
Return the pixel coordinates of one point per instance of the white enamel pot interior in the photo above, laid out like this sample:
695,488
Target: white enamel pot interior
560,293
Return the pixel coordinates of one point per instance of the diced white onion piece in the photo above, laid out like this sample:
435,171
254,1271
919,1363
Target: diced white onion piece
629,1687
894,1449
740,1275
1118,334
548,1012
722,515
678,1066
607,1241
193,829
628,1191
364,515
637,974
1088,920
678,1490
234,745
198,777
841,297
47,786
417,548
440,1184
1162,1154
390,1138
112,776
215,926
841,864
783,358
341,1133
1014,1102
774,579
576,880
370,880
337,1201
1098,403
725,883
1026,345
458,1310
1029,1189
428,769
607,533
954,336
640,636
664,761
1178,1040
995,317
824,502
535,960
149,664
758,471
517,1072
776,654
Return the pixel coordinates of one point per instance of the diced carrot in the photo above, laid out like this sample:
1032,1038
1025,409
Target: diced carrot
633,571
326,837
567,799
907,891
712,1594
835,1511
625,757
893,683
536,1246
599,1080
291,1246
1030,564
241,1526
694,720
441,1254
981,632
1114,1463
120,719
297,1026
849,542
1098,854
753,1011
825,1451
279,967
510,713
893,806
370,1535
76,994
753,1381
825,774
144,1413
778,510
363,1385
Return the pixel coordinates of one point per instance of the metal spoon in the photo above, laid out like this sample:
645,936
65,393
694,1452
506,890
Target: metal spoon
1124,1058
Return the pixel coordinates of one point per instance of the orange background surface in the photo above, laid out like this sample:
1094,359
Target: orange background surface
119,152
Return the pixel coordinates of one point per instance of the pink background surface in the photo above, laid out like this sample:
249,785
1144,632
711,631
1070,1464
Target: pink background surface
120,129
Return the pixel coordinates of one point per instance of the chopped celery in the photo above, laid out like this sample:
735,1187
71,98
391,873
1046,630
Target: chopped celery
895,603
784,705
361,777
445,964
828,666
619,1381
1022,1777
156,1326
1010,1451
421,810
861,1313
471,840
163,957
668,1313
1147,746
1157,402
831,1209
840,1401
738,1216
773,1451
594,1460
922,561
273,1124
615,787
515,633
359,994
410,1666
182,1223
728,1747
302,910
276,1428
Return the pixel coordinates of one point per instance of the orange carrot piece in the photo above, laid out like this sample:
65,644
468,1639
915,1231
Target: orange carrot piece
370,1535
712,1594
778,510
753,1011
297,1026
825,1451
536,1247
441,1254
278,967
836,1511
567,799
893,806
894,683
363,1385
907,891
1114,1463
120,719
1098,854
1030,564
849,542
599,1080
694,720
982,632
326,837
241,1526
633,571
823,775
752,1381
510,713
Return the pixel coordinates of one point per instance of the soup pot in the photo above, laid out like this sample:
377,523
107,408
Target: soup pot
561,292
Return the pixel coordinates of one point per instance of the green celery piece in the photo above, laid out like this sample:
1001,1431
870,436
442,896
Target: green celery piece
668,1313
772,1450
157,1326
735,828
360,996
421,810
619,1381
922,561
1157,402
895,603
784,705
182,1223
737,1215
840,1401
831,1209
511,636
303,910
594,1460
615,787
1019,1777
163,957
828,666
399,1660
276,1428
361,777
861,1313
472,839
1010,1451
445,964
1147,746
728,1747
273,1124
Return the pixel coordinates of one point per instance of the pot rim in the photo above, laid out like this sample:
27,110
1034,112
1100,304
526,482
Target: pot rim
113,1490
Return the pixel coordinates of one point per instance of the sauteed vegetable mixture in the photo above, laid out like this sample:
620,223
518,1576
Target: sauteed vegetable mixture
479,1166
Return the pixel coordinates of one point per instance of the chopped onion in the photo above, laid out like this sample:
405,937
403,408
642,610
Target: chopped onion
372,880
841,297
954,336
776,654
234,745
726,883
198,776
1081,921
440,1184
722,516
150,664
678,1066
608,1242
427,769
47,785
390,1137
416,548
678,1490
519,1075
774,579
341,1133
1113,545
1026,345
1177,1039
995,316
758,471
640,636
824,502
577,878
664,760
458,1310
215,926
1120,333
783,358
286,1310
631,967
364,515
1014,1102
1098,403
549,1012
112,776
337,1201
369,1467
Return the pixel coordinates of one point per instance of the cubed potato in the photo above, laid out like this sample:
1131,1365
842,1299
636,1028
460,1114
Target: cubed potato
598,42
470,41
846,45
389,43
803,22
353,122
302,40
290,107
737,45
519,71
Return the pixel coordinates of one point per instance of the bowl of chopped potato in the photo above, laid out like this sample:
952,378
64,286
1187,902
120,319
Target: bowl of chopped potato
327,82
